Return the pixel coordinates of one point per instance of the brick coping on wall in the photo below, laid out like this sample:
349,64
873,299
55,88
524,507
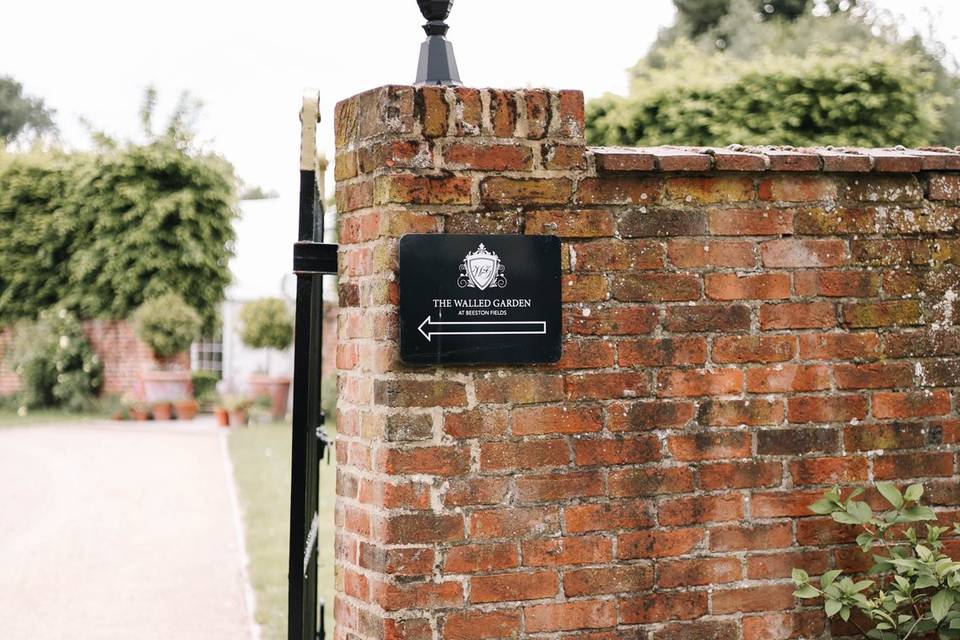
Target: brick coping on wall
775,158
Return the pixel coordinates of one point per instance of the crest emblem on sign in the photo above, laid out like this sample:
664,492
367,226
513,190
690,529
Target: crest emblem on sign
482,269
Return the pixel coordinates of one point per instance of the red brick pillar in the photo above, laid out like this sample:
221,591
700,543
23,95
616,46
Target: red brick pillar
429,513
743,328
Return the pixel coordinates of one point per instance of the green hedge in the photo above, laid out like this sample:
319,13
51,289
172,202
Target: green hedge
868,98
101,233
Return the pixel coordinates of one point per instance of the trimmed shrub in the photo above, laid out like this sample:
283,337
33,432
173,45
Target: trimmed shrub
266,324
55,363
167,324
871,98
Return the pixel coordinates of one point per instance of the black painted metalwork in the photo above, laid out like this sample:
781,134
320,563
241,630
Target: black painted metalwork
438,65
311,259
314,257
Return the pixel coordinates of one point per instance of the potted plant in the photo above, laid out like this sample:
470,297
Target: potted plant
221,415
186,409
162,410
268,324
167,325
136,409
236,407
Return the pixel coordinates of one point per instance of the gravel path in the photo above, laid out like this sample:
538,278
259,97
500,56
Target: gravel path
119,531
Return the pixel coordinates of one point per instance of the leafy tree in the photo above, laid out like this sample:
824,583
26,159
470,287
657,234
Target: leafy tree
20,113
152,220
875,99
102,232
734,39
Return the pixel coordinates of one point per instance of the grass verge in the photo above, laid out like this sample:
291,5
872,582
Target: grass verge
261,463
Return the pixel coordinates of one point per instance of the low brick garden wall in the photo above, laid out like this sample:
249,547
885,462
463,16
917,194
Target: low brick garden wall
744,327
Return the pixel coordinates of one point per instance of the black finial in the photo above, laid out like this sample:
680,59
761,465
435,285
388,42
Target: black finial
438,65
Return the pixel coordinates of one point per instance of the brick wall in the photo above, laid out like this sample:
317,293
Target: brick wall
122,354
744,327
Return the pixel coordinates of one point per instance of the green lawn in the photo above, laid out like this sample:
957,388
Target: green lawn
261,462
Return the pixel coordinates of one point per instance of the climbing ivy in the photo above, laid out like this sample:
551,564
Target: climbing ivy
100,233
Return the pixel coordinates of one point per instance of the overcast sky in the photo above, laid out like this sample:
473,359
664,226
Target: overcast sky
250,61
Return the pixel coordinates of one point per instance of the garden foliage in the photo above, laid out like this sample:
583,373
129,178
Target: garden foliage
166,324
873,99
55,363
100,233
266,324
913,588
792,72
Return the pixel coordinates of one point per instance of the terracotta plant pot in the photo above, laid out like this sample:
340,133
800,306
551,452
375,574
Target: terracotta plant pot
163,411
186,409
274,387
238,418
139,414
166,386
222,416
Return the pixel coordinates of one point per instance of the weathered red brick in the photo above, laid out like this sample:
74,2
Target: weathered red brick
881,375
709,190
531,454
513,586
481,625
727,349
481,558
731,286
750,222
567,616
829,470
699,571
620,321
619,190
739,475
659,543
701,509
617,579
488,157
788,377
694,254
513,191
616,451
794,188
567,551
650,482
803,254
731,413
750,599
570,223
797,315
707,317
832,408
699,382
552,487
658,287
606,516
661,352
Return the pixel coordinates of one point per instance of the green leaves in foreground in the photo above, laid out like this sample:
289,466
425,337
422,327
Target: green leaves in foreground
912,589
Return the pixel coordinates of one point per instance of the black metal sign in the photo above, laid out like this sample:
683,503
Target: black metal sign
479,299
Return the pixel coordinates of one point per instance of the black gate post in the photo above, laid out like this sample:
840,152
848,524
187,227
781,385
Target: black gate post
311,259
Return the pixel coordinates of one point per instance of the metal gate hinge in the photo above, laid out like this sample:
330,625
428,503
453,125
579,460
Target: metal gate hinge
315,257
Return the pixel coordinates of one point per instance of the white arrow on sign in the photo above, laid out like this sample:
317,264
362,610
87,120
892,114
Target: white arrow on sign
486,328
